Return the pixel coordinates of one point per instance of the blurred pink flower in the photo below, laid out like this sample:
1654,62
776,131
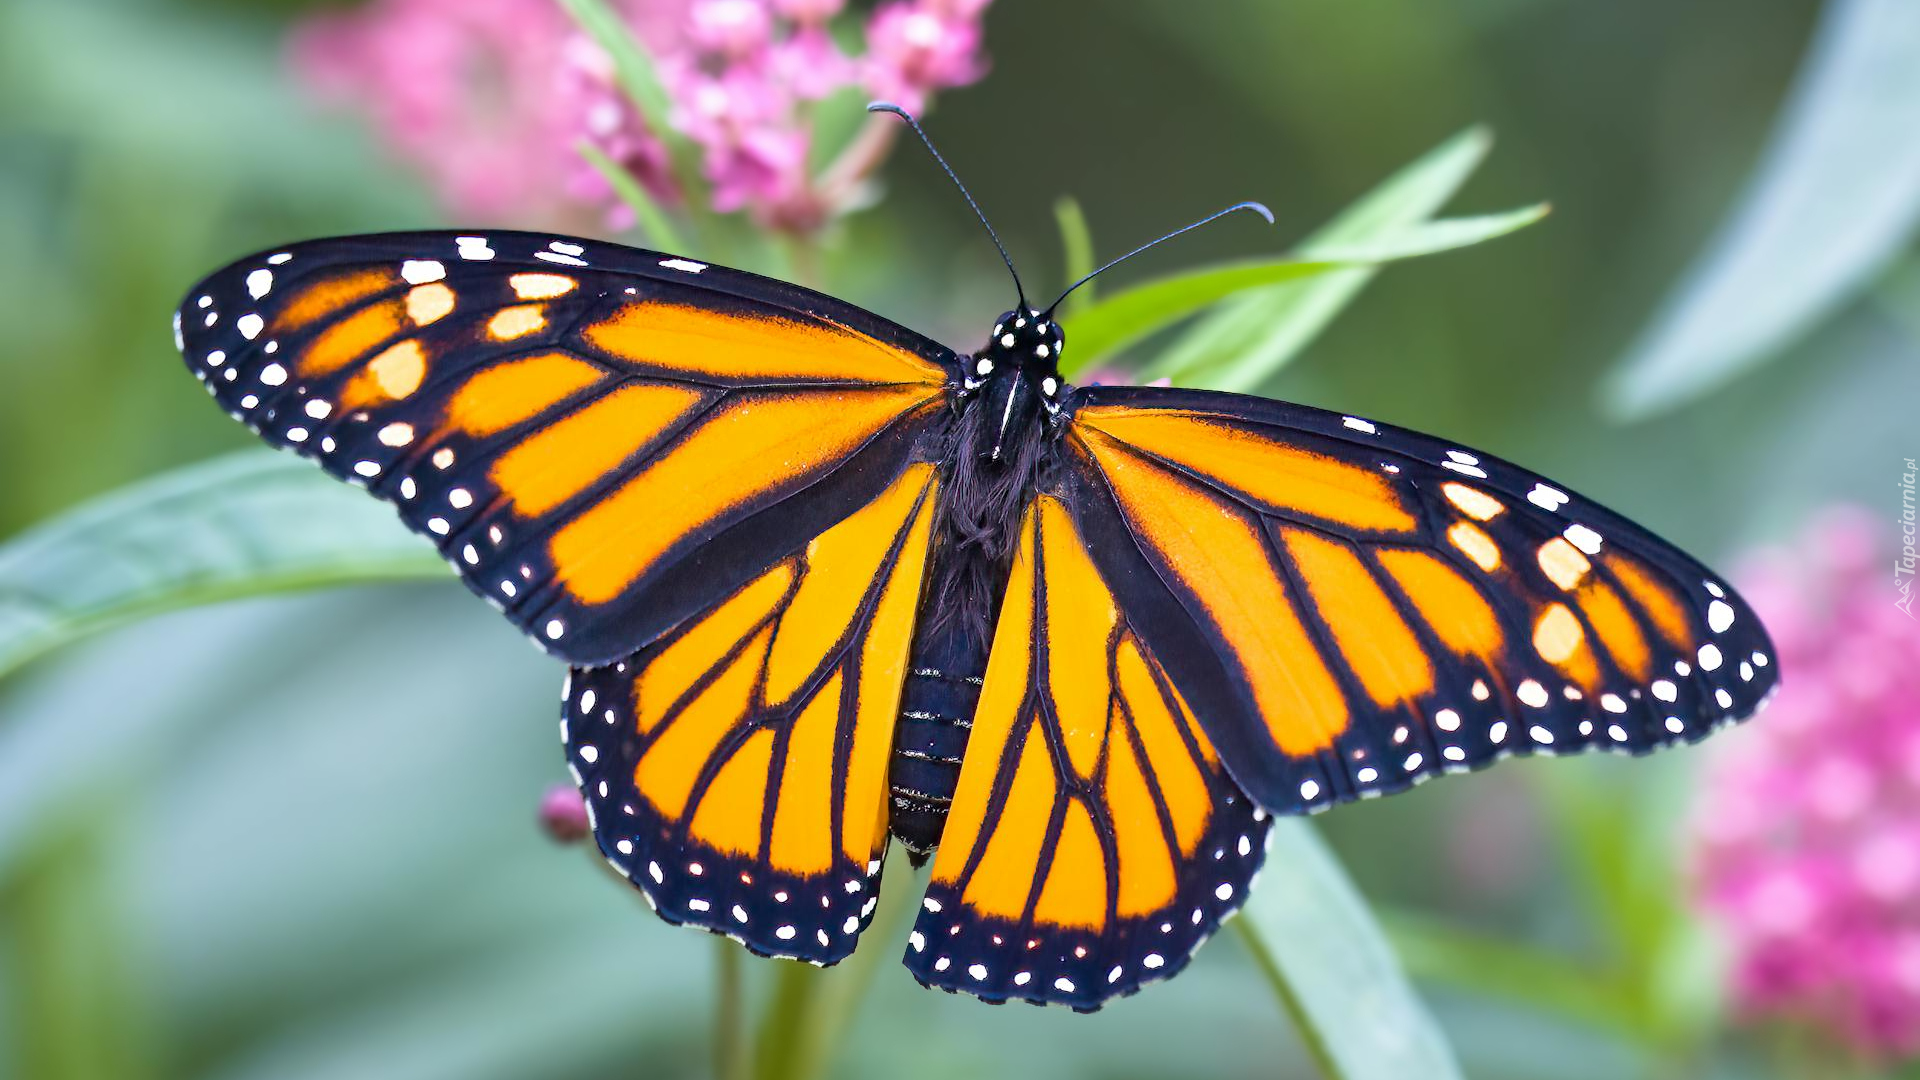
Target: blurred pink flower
563,814
1807,828
491,98
915,48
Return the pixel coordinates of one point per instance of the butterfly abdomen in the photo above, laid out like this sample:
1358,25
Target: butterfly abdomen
936,715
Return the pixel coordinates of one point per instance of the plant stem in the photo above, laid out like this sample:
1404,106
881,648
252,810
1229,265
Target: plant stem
840,180
1303,1025
729,1013
812,1008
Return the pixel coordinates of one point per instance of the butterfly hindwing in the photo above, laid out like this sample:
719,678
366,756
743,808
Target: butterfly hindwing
601,440
736,770
1351,608
1094,839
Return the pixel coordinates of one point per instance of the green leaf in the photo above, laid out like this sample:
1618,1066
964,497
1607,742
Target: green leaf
1247,340
640,79
1836,198
1076,244
655,226
256,522
1513,972
632,66
1332,969
1103,329
1429,237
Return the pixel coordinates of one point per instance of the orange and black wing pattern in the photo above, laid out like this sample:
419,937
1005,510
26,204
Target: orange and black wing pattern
736,769
602,441
1350,608
1094,839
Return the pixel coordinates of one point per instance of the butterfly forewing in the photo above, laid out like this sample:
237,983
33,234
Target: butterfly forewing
1095,840
1351,608
602,441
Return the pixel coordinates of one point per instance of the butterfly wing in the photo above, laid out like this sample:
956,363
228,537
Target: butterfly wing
736,770
601,440
1094,840
1351,608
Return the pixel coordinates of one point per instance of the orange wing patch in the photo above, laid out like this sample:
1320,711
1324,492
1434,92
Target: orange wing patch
705,344
1222,559
1094,840
737,769
1285,478
712,473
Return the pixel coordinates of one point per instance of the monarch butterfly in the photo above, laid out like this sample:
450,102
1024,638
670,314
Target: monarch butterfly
822,581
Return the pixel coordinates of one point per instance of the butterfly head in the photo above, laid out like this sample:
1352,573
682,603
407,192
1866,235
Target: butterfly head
1018,375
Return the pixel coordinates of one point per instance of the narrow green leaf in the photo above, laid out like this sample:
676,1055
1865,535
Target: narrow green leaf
1247,340
1105,328
1835,200
1101,330
252,523
1331,967
1429,237
656,227
631,65
1076,244
1513,972
639,78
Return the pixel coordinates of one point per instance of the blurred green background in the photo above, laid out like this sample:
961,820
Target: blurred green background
295,837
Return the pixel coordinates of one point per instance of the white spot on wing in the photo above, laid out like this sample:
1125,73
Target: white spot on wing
1583,538
1719,616
1357,424
687,265
1547,498
422,271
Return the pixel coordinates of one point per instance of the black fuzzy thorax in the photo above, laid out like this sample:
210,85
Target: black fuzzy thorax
978,523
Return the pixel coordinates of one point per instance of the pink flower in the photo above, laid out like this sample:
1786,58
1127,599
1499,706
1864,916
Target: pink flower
915,48
460,90
1807,828
736,29
563,814
491,99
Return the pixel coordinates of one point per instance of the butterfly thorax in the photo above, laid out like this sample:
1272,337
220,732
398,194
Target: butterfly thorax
1001,437
1017,378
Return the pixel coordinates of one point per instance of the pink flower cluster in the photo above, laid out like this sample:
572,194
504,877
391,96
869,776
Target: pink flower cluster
492,98
1807,831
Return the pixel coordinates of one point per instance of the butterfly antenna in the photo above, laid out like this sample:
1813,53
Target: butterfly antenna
1258,208
889,107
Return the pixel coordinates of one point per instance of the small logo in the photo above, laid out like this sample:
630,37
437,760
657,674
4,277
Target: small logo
1903,565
